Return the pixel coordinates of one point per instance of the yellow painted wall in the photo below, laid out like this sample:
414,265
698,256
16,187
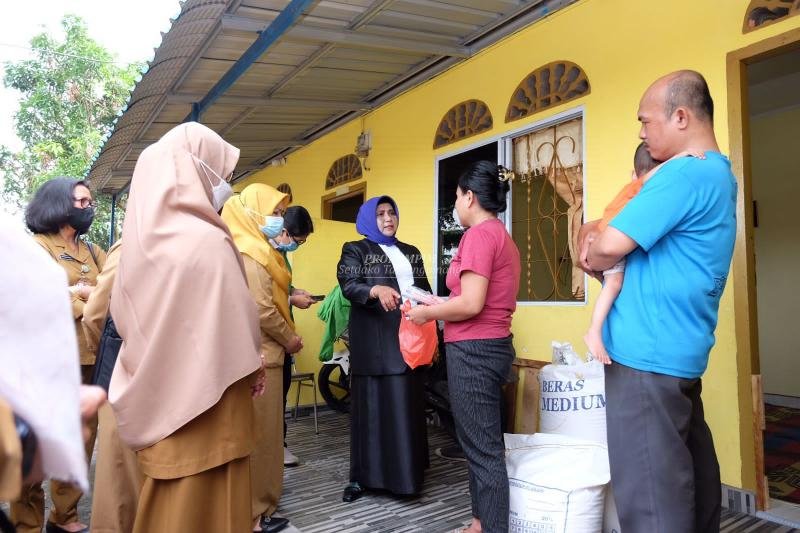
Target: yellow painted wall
314,269
622,45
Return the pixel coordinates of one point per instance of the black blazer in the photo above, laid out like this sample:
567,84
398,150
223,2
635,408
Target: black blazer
374,343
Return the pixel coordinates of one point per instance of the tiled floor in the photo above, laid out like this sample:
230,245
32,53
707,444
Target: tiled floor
312,496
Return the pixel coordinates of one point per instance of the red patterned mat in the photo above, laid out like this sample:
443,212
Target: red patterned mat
782,452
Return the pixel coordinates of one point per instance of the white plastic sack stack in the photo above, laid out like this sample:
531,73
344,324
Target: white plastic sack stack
573,397
573,403
557,483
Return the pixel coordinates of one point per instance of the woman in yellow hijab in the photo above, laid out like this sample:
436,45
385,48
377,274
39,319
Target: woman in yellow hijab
255,219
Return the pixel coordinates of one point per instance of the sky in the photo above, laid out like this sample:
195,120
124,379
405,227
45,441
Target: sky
129,30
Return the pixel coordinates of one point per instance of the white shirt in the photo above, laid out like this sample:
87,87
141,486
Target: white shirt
401,264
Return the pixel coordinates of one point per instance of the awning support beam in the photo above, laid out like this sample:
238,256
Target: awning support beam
352,38
280,103
111,232
285,20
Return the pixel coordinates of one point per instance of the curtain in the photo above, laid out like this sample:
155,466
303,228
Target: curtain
555,153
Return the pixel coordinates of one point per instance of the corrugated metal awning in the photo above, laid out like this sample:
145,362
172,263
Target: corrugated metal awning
334,63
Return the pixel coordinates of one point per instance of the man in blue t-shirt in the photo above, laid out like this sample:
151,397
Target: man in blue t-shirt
678,235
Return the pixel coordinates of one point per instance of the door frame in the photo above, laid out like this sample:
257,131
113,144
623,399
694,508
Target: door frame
341,193
746,317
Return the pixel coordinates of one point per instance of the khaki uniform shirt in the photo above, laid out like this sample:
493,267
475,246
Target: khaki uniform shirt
223,433
276,332
96,308
10,456
83,267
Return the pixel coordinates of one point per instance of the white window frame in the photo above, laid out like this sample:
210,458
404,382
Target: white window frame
505,158
497,140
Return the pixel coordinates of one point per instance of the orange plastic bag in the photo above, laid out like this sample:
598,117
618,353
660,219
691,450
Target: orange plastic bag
417,343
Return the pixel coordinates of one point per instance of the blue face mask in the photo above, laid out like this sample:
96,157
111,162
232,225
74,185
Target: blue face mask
272,226
291,247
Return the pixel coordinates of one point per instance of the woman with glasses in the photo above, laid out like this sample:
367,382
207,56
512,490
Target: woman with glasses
61,211
297,226
255,219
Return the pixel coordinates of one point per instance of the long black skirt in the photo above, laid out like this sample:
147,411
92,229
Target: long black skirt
388,436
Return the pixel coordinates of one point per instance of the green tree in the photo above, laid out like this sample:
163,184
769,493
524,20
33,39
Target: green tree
72,90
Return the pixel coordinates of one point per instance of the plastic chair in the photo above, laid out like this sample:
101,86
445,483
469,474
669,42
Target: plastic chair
302,379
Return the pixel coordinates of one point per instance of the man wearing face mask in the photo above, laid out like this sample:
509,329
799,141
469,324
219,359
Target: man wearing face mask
297,226
61,211
255,219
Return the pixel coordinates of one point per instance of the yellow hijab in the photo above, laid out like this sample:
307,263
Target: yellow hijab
242,214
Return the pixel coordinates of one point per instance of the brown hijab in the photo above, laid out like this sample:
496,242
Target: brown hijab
180,300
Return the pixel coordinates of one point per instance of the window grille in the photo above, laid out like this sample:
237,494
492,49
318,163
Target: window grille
547,211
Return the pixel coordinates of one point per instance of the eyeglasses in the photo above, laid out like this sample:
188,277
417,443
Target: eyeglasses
295,239
85,202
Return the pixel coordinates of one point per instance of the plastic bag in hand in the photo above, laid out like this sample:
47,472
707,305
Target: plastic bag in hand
417,343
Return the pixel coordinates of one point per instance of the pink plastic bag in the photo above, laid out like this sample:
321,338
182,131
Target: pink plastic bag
417,343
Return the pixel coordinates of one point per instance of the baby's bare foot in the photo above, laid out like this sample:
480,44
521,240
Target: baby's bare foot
594,341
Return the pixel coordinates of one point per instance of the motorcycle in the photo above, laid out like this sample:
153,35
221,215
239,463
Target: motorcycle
334,381
334,385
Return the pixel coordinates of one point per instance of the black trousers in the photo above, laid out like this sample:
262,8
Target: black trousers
287,382
476,373
5,524
664,470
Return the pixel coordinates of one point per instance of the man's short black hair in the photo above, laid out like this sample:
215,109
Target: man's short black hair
49,209
689,89
297,221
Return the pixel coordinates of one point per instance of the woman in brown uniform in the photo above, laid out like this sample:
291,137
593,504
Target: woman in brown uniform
181,388
255,220
60,212
117,479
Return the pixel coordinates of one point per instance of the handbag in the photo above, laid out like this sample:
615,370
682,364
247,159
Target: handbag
107,352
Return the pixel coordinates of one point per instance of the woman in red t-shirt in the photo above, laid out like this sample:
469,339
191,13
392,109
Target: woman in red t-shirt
483,279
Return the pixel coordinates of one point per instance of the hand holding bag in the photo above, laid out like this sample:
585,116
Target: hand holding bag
107,351
417,343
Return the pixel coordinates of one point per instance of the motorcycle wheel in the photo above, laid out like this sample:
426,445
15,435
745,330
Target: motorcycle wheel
334,386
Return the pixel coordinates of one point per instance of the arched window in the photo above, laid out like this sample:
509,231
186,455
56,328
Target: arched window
547,86
343,170
764,12
461,121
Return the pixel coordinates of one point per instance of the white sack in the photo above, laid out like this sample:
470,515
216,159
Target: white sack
557,483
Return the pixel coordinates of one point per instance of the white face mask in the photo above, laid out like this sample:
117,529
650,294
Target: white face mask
455,217
219,192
